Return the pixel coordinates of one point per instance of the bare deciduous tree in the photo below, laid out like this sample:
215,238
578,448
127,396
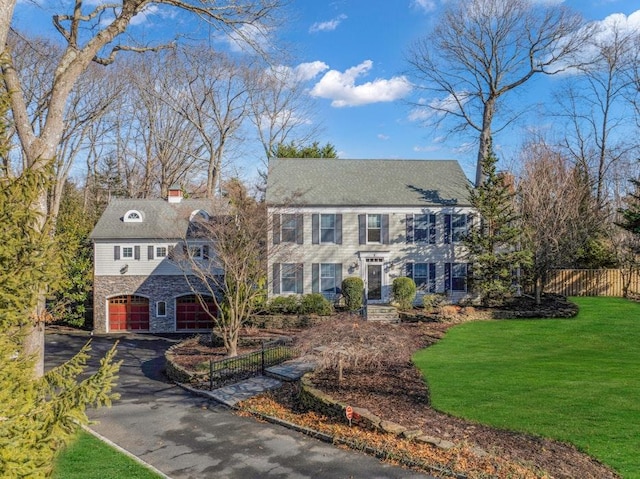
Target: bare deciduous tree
89,31
557,210
596,108
234,273
209,90
481,50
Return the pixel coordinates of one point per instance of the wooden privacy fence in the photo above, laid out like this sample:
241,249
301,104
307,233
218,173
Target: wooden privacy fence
591,282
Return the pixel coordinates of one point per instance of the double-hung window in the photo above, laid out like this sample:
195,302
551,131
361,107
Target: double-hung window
458,227
424,275
289,226
289,278
327,228
328,278
456,276
161,251
374,228
455,228
127,252
421,228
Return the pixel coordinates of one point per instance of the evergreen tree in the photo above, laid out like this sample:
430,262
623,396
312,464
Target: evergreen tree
38,415
294,150
631,214
71,300
494,241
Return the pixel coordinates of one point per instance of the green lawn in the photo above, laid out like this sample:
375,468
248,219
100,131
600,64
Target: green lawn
90,458
576,380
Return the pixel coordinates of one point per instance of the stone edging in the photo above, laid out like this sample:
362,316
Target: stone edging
318,401
177,373
355,445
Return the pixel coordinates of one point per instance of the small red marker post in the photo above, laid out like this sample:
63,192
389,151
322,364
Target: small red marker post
348,411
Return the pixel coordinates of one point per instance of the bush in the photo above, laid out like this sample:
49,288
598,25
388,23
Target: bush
353,290
404,292
284,305
432,301
315,303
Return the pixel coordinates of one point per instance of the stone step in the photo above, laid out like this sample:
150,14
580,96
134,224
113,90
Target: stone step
382,313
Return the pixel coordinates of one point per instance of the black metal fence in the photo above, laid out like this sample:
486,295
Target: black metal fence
231,370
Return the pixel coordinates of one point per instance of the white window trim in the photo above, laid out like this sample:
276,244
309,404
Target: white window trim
379,228
295,278
133,216
333,278
125,248
294,229
166,251
158,309
320,228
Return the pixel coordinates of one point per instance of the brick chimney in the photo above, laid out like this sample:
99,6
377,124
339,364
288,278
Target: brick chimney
175,194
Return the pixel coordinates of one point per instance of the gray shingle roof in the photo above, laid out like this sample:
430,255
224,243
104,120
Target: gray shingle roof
335,182
161,219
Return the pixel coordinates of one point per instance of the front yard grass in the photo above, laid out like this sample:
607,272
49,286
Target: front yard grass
90,458
574,380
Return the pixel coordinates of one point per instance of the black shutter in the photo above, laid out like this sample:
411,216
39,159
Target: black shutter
171,252
315,278
136,252
300,278
299,229
409,228
385,229
276,229
338,229
362,229
409,269
432,229
116,252
432,277
338,268
447,229
468,283
315,229
205,251
447,277
276,278
149,252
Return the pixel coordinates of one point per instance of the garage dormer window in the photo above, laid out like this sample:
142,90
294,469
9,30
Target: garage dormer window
199,215
133,216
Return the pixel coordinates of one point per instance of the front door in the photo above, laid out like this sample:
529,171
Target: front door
374,282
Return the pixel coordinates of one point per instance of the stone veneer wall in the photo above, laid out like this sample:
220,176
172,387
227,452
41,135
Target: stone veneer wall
156,288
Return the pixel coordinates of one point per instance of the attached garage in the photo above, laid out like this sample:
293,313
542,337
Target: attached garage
191,316
128,313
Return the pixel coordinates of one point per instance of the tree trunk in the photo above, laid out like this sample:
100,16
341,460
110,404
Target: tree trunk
485,138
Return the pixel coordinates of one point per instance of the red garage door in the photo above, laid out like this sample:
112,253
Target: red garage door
190,315
129,313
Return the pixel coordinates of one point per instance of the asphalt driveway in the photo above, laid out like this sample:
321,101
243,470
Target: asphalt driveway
191,437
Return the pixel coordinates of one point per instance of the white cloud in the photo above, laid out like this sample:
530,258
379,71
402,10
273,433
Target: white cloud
426,149
382,137
426,5
327,26
342,90
308,71
242,39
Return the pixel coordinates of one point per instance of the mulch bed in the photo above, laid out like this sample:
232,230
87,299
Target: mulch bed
396,392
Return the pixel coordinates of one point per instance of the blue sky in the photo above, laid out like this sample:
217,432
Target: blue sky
354,55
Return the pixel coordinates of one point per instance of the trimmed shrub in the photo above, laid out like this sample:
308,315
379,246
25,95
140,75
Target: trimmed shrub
315,303
404,292
284,305
431,301
353,291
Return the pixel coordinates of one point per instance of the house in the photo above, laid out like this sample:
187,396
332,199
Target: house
139,284
374,219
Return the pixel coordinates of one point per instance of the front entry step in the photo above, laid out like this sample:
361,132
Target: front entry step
382,313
